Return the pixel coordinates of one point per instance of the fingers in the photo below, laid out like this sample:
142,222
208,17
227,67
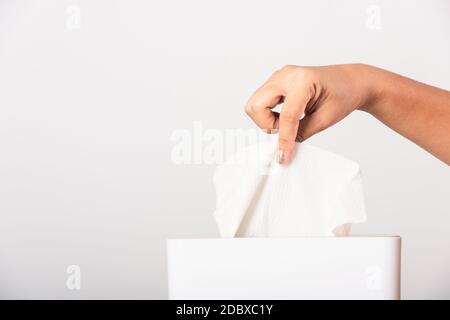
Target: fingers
260,104
294,106
290,85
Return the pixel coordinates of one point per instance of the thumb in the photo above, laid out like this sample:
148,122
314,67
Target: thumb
312,124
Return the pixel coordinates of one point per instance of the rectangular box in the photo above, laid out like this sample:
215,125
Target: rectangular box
285,268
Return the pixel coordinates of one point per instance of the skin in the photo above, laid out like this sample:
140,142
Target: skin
315,98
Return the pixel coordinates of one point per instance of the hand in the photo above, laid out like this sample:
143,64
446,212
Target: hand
314,99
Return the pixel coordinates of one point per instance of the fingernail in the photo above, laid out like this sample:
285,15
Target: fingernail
280,156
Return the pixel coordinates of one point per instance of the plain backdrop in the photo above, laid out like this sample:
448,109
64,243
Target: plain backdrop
91,92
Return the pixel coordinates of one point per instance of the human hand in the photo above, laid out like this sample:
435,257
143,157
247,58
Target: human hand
314,99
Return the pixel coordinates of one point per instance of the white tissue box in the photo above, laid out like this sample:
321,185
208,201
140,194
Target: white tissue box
285,268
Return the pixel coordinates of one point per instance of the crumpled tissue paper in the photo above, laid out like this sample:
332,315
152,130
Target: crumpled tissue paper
318,193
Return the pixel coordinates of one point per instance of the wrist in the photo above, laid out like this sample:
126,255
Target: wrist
372,80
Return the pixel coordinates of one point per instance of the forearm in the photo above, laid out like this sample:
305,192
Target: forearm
415,110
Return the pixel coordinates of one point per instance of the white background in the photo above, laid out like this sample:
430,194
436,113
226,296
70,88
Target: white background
86,117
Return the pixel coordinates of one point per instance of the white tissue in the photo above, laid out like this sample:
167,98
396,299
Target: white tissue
317,194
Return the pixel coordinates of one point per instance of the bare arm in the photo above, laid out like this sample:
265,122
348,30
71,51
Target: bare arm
417,111
315,98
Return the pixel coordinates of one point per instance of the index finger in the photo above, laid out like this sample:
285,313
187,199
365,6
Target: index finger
292,111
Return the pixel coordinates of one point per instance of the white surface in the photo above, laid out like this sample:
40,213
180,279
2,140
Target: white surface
289,268
86,118
318,194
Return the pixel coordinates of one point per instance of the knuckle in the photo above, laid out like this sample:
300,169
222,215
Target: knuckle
248,109
289,116
285,141
274,76
256,104
283,71
288,68
304,74
296,77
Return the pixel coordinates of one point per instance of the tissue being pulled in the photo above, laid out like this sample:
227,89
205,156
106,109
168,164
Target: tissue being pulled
317,194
